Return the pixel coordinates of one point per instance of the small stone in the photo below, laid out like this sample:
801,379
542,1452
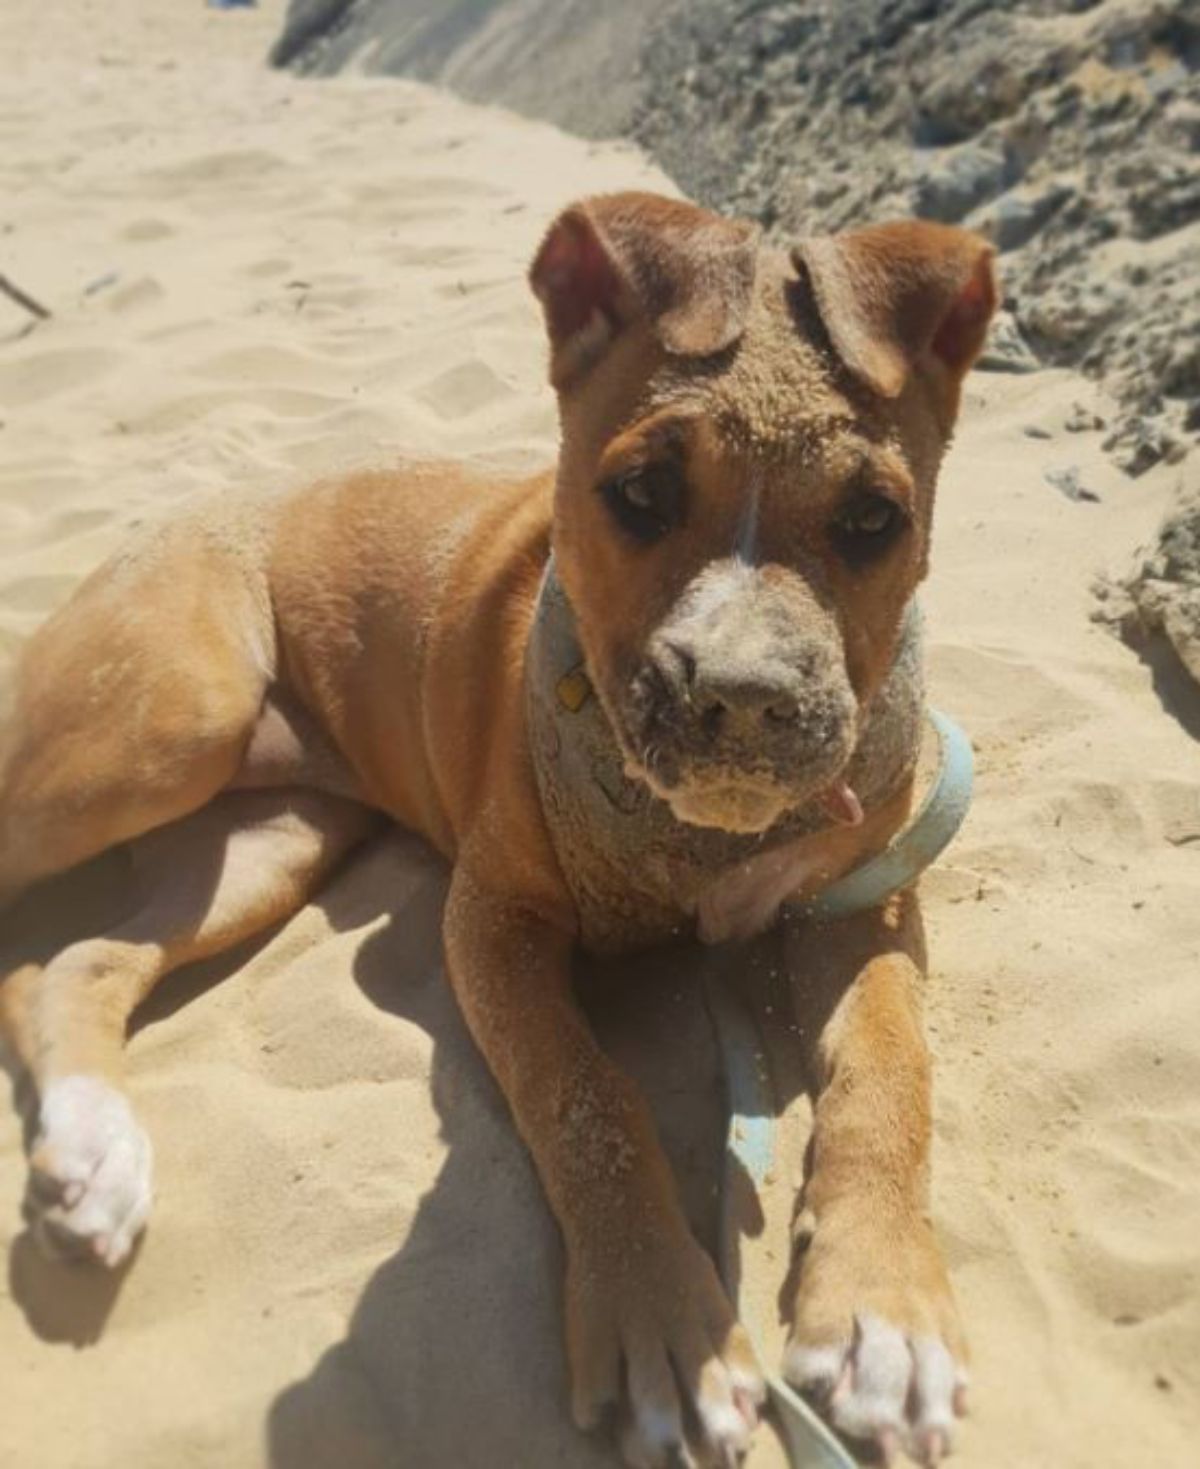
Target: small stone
1082,420
1067,480
1167,79
1139,442
1012,220
1036,431
957,180
1006,349
1160,599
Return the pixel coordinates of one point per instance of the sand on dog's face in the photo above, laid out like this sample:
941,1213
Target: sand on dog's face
255,280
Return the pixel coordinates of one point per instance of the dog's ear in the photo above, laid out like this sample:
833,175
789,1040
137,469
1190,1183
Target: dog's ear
897,297
618,258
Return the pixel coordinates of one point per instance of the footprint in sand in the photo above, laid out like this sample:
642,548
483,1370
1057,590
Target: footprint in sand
193,408
240,166
34,377
36,594
268,269
146,290
464,389
277,366
146,231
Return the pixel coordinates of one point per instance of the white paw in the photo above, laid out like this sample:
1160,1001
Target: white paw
725,1403
89,1171
885,1387
662,1348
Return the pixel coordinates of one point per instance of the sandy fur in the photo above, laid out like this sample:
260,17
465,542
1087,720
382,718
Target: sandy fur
1066,1134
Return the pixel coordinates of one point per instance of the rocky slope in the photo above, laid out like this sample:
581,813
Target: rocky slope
1066,130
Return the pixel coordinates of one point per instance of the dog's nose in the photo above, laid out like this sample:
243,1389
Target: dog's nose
729,690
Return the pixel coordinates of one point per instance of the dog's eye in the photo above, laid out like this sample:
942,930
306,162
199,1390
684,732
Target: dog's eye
646,502
868,526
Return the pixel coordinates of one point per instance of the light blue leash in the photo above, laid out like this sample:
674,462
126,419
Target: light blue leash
750,1142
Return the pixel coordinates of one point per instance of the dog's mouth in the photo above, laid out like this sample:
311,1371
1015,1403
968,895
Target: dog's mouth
733,800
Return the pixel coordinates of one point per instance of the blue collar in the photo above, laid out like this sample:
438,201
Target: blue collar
919,844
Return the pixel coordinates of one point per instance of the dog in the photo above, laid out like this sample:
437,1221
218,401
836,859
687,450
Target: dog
672,685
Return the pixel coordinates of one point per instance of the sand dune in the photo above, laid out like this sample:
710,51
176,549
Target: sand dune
255,280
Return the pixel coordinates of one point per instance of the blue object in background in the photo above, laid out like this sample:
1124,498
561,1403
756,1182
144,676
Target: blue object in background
231,4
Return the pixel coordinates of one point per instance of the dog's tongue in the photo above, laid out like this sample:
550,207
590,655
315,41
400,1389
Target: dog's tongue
840,802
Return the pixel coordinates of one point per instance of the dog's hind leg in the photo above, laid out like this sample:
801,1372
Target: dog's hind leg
134,704
243,862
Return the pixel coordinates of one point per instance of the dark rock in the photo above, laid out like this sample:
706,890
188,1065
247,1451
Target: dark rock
1012,220
1165,196
951,184
1082,420
1138,443
1071,317
1161,596
1068,481
309,22
989,78
1167,79
1006,349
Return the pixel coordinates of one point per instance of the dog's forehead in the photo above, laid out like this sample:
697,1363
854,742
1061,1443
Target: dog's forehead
779,395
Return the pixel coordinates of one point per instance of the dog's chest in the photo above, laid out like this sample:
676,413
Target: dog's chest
638,875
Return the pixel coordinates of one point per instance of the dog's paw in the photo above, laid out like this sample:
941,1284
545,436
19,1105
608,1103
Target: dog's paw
655,1347
89,1172
877,1342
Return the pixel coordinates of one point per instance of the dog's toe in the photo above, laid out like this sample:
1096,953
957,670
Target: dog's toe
90,1172
885,1386
869,1400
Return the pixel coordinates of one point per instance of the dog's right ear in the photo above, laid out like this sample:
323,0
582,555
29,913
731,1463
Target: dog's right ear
609,261
902,297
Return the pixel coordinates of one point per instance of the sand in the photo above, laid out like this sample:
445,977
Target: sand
255,280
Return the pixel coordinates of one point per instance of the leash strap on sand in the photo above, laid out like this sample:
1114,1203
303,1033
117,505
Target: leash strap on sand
749,1157
750,1142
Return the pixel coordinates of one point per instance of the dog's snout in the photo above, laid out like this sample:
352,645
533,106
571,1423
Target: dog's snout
719,694
743,687
721,690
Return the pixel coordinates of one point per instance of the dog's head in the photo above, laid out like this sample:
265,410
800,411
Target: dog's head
750,445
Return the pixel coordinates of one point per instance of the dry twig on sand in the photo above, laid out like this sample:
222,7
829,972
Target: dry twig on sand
35,308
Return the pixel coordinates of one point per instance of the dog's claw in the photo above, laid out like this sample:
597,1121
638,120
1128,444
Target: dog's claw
747,1407
934,1448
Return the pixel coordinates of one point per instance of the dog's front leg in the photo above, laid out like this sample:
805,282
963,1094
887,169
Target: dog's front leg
876,1334
649,1329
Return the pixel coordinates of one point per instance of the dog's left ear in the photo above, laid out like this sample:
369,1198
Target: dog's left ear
615,259
895,298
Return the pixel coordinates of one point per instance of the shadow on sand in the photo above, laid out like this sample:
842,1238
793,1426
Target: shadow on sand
465,1315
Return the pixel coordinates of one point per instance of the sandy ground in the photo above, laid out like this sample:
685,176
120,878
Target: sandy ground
254,280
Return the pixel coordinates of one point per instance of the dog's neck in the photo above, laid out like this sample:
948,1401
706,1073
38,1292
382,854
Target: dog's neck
631,865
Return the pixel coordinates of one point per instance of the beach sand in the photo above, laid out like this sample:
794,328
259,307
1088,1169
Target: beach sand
255,280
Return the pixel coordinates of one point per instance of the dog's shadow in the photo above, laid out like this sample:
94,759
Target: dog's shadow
454,1354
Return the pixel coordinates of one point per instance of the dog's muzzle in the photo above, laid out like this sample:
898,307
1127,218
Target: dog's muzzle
744,687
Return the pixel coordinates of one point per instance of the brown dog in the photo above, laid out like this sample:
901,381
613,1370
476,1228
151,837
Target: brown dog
678,719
